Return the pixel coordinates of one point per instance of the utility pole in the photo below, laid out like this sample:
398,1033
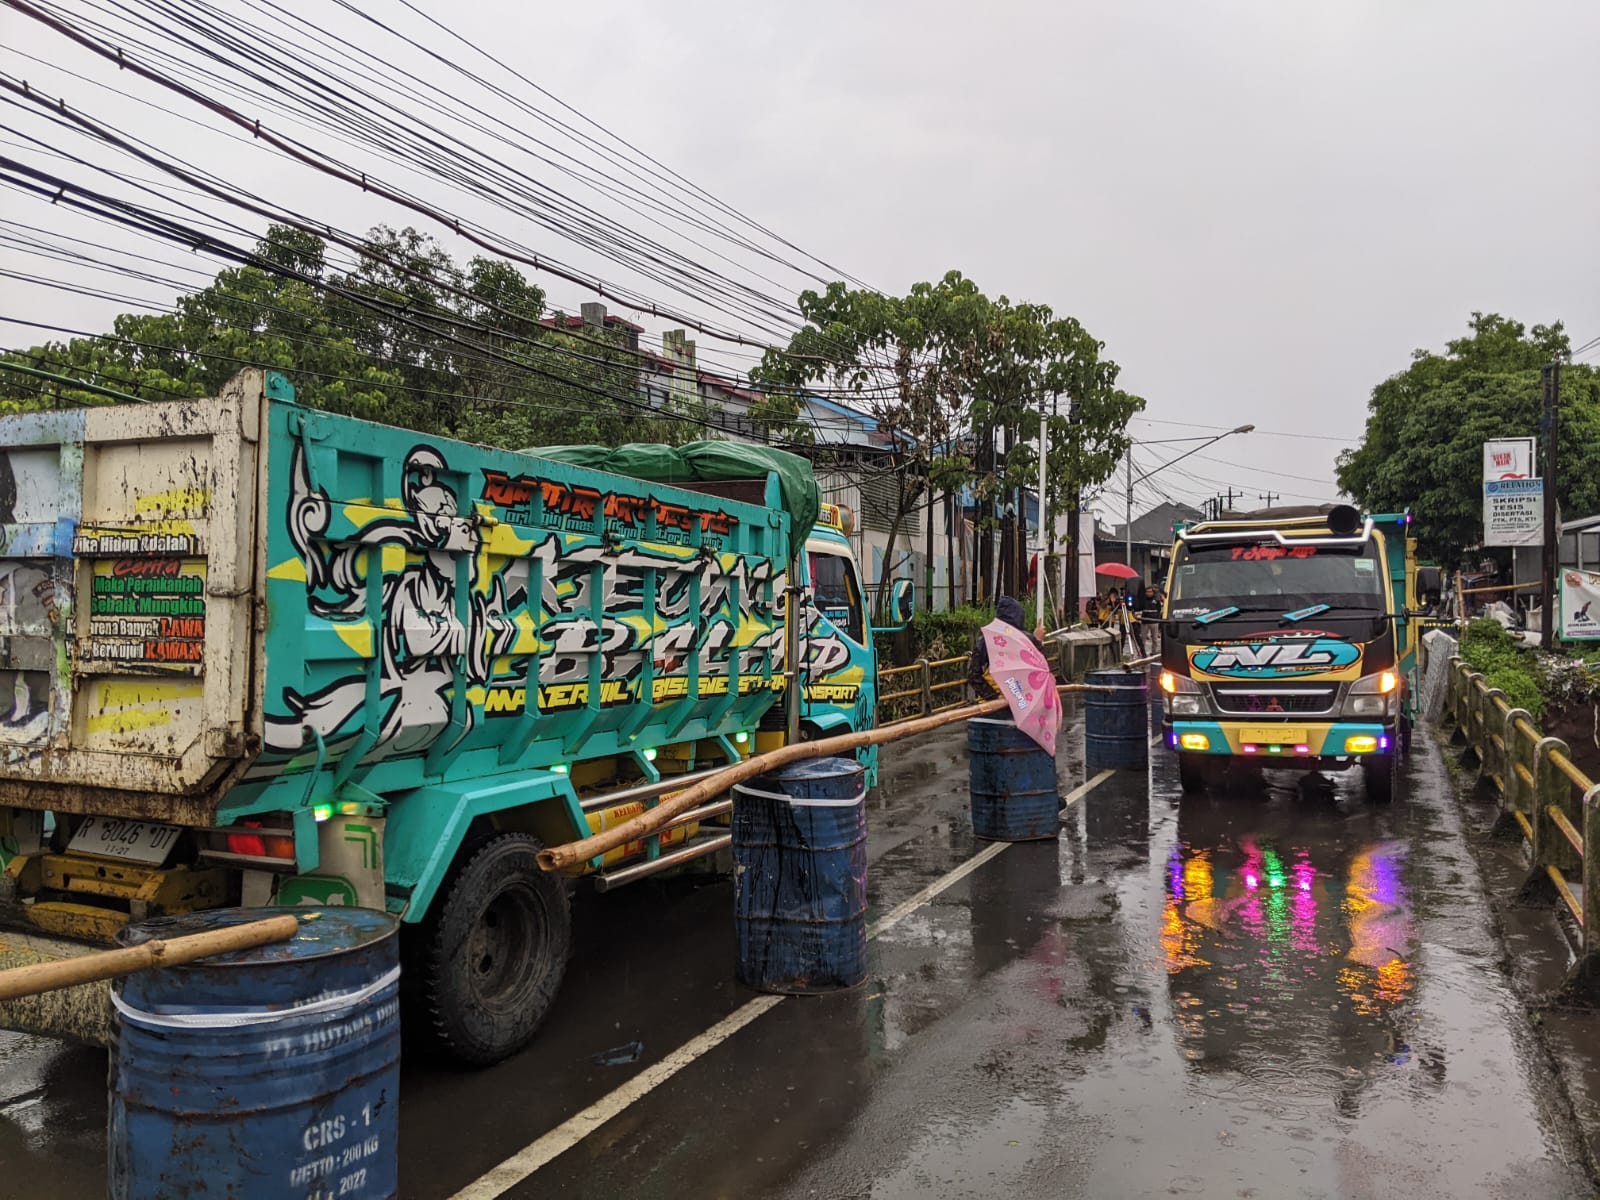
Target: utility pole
1269,497
1127,528
1552,537
1069,585
1008,528
1044,523
927,563
950,574
984,533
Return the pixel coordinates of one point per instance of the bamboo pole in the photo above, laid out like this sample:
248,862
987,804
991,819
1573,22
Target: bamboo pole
570,854
1502,587
108,964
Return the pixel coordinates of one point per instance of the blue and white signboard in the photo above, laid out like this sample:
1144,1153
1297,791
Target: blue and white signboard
1513,512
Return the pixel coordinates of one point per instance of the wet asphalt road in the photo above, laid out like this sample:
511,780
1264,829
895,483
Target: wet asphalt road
1276,990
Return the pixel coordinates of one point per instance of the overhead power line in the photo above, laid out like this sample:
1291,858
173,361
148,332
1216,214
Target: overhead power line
1316,437
437,153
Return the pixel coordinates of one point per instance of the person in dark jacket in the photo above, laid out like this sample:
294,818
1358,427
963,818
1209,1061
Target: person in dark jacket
1150,620
1009,611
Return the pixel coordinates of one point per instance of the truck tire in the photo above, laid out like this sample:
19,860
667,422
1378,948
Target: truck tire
1194,773
1379,772
490,956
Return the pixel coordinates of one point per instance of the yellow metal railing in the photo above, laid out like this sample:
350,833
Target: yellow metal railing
1543,795
931,686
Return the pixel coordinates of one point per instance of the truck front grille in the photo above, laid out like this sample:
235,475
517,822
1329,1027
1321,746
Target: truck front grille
1302,700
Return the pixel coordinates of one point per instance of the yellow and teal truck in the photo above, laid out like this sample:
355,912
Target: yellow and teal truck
1290,641
260,654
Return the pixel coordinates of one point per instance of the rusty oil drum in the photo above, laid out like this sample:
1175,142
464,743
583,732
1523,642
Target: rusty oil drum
1013,783
1116,720
800,878
262,1074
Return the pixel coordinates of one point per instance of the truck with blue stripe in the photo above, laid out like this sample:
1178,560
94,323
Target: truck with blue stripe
260,654
1290,641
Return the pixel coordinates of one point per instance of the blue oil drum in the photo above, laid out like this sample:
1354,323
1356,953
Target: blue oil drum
1116,721
262,1074
800,878
1013,782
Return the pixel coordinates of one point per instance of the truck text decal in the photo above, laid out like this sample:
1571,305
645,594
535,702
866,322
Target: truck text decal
523,496
452,602
1275,660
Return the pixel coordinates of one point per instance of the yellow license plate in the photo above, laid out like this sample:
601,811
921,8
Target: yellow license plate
1273,735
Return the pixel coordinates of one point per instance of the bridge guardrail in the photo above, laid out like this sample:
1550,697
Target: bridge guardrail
1543,796
932,686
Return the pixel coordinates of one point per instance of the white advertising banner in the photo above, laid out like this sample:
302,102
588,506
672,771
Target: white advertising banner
1513,512
1508,458
1088,583
1579,604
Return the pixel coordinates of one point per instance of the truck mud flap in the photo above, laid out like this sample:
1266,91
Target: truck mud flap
80,1014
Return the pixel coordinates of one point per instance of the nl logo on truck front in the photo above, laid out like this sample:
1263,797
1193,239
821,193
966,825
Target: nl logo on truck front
1276,660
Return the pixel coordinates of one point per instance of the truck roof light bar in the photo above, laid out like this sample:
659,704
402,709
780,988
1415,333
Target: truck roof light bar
1240,532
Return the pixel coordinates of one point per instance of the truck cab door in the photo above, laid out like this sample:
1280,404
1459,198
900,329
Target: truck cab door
841,683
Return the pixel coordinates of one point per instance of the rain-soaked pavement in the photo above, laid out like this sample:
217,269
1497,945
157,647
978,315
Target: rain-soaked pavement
1274,991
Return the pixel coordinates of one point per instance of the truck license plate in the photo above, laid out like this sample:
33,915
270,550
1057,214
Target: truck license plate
1273,735
134,841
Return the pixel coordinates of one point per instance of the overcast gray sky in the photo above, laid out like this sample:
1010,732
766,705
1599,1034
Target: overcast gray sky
1260,208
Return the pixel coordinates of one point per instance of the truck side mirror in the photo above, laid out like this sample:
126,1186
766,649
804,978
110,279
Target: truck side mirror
902,602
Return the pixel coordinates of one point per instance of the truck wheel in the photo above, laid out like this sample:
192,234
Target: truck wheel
1194,773
491,955
1378,772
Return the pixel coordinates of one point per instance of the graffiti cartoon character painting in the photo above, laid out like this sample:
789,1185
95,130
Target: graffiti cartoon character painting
420,635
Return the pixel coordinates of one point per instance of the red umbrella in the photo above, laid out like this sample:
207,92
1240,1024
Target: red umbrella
1116,570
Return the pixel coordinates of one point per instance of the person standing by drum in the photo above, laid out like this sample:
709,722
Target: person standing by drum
978,678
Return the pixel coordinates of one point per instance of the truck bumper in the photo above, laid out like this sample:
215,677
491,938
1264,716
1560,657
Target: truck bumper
1284,743
80,1014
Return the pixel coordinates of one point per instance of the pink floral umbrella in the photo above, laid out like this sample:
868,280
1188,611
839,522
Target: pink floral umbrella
1026,681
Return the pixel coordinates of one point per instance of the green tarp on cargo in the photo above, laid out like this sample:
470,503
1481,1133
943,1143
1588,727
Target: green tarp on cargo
711,462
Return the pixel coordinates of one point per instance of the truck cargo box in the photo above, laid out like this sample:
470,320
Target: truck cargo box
206,603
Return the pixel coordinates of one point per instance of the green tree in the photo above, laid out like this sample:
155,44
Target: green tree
1423,444
1033,364
907,361
406,337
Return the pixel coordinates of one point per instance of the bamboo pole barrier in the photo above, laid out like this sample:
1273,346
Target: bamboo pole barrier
1502,587
108,964
570,854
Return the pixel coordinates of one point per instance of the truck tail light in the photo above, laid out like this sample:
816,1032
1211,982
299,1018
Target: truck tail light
272,845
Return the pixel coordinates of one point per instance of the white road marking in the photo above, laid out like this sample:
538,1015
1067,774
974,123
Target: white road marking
501,1179
1083,789
903,910
579,1126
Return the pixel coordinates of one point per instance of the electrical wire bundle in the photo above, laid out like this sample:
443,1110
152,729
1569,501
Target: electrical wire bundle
205,67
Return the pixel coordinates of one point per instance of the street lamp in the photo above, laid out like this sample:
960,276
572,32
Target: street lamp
1127,529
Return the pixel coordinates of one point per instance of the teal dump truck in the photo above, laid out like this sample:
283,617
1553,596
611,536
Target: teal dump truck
260,654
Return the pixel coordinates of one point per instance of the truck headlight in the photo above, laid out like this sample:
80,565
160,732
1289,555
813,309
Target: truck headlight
1373,695
1180,695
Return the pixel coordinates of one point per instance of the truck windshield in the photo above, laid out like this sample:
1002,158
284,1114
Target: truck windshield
837,593
1205,578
